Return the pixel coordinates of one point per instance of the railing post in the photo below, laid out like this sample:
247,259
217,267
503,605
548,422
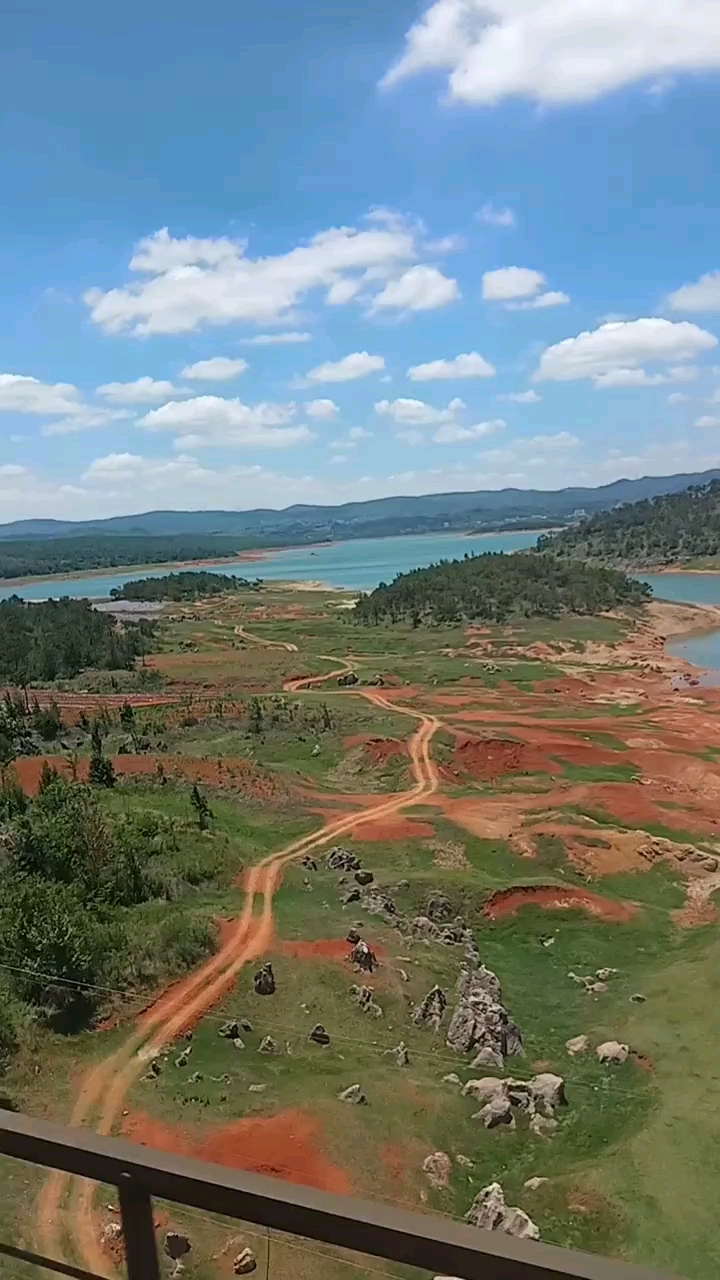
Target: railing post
138,1230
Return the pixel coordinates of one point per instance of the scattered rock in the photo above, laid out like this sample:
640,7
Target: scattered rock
400,1054
578,1045
488,1057
353,1094
402,886
532,1184
638,998
364,997
495,1112
244,1263
484,1090
437,1169
237,1043
480,1020
612,1051
363,957
182,1060
439,907
451,1078
352,895
257,1088
378,903
195,1078
548,1091
268,1045
319,1035
229,1030
364,877
245,1025
264,981
431,1010
543,1126
352,936
595,988
604,974
465,1162
176,1245
490,1212
111,1233
339,859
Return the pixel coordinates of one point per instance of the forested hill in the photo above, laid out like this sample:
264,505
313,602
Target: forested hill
669,529
189,585
499,588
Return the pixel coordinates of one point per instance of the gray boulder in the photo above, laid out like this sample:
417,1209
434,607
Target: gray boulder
339,859
264,981
439,907
319,1035
490,1212
431,1010
480,1020
363,957
176,1245
353,1094
364,997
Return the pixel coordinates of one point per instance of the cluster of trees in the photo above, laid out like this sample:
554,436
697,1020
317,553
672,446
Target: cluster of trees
73,879
190,585
29,557
499,588
657,531
58,638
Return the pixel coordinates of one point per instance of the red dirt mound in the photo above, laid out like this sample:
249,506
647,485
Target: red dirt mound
507,901
280,1146
235,774
378,749
325,949
492,757
393,829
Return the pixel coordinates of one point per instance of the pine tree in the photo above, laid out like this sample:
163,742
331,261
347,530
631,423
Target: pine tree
201,807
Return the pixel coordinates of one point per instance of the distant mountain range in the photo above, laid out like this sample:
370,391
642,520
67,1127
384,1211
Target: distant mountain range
477,510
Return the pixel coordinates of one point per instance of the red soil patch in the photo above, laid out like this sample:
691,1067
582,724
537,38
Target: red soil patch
398,828
72,705
492,757
325,949
507,901
233,774
394,1161
280,1146
378,749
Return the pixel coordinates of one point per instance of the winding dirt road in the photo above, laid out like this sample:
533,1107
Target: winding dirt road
104,1087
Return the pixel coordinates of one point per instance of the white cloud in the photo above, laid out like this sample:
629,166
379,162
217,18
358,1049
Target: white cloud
216,369
558,440
322,410
522,397
703,295
141,391
557,51
715,397
212,420
85,418
357,365
11,469
21,394
496,217
678,397
552,298
337,458
416,413
707,421
275,339
422,288
625,377
508,283
621,345
359,433
470,365
453,433
181,284
497,456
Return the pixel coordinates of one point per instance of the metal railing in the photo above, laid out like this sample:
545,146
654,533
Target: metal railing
421,1240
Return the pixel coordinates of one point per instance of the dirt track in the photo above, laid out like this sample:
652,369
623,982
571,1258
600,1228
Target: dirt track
104,1087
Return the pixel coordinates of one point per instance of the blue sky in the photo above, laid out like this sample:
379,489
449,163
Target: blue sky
272,256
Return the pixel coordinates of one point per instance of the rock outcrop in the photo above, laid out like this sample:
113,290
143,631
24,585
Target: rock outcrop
339,859
612,1051
480,1020
364,996
363,957
436,1168
353,1094
319,1035
431,1010
264,981
489,1211
577,1045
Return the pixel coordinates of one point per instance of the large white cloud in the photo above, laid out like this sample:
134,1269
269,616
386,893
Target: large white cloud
519,288
621,345
702,295
416,413
558,51
357,365
470,365
60,401
213,420
181,284
142,391
421,288
322,410
215,369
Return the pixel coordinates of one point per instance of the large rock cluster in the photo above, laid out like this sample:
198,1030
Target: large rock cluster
480,1022
489,1211
538,1097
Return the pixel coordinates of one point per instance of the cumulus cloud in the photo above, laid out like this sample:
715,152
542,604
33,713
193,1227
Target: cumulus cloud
453,433
290,338
703,295
551,298
216,369
180,284
556,440
493,217
508,283
470,365
557,51
678,397
357,365
624,377
416,413
620,346
707,421
522,397
141,391
323,410
421,288
58,400
213,420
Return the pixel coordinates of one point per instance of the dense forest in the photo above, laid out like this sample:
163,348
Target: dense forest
499,588
56,639
655,532
30,557
190,585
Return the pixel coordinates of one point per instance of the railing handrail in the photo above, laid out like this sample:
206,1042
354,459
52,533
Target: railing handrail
421,1240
